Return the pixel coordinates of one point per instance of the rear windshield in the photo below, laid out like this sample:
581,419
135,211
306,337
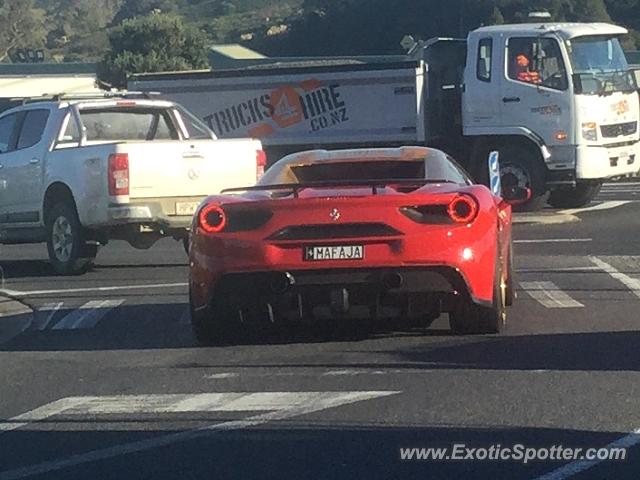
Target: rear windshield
435,167
118,124
321,172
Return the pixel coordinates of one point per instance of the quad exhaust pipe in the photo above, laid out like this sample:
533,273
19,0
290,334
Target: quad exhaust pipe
392,280
281,282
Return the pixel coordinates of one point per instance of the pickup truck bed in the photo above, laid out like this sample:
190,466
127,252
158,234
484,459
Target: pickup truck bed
76,173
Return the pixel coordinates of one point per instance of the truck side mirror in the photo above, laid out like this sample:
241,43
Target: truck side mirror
516,195
577,83
636,76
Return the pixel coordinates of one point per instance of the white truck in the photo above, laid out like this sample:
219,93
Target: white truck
78,171
557,100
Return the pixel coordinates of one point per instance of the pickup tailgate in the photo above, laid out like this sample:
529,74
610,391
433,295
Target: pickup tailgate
190,168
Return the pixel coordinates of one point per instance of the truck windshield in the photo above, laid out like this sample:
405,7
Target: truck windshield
599,66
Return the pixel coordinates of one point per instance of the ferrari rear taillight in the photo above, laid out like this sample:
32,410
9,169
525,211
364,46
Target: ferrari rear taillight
463,209
212,218
261,163
118,174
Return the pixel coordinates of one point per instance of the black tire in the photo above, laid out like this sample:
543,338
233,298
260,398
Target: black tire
185,244
470,318
519,164
575,197
213,329
510,291
69,252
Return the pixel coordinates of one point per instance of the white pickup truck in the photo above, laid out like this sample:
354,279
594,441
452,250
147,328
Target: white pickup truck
76,172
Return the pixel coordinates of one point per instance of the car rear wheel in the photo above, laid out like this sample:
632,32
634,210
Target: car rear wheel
213,326
69,252
470,318
510,292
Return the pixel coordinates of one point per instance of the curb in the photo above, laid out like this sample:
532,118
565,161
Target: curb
15,318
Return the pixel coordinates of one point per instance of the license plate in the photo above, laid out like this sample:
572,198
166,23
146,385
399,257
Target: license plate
334,252
186,208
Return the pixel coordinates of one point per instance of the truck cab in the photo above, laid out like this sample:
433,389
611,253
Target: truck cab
559,102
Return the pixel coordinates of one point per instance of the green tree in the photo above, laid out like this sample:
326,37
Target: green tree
153,43
137,8
21,26
496,17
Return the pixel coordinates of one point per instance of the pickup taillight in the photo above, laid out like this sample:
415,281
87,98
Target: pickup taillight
261,163
118,174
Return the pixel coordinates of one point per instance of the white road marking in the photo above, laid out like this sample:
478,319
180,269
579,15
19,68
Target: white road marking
88,315
545,219
631,283
219,376
601,206
555,240
18,293
39,414
352,372
279,406
549,295
46,314
559,269
618,190
615,184
574,468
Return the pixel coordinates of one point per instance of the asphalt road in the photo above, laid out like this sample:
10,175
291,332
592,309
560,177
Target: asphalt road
107,381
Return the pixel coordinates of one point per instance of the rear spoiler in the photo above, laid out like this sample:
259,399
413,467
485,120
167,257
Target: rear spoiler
373,184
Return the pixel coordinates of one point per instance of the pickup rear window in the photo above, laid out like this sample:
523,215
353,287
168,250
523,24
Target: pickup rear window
117,124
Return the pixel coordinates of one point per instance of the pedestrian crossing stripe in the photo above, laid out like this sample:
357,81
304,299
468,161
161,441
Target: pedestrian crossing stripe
267,407
549,295
85,317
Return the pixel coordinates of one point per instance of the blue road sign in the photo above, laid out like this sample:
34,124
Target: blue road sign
494,173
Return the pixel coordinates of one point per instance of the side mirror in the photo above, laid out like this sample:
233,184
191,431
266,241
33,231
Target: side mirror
516,195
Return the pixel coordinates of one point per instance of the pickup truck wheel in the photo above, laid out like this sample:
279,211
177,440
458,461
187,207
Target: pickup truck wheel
575,197
470,318
68,250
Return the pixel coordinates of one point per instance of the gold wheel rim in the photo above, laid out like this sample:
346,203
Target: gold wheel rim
503,301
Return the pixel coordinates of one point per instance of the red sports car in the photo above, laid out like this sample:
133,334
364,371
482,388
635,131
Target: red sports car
376,233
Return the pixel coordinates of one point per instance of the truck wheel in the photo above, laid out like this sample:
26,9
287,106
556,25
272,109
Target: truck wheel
68,250
519,166
575,197
470,318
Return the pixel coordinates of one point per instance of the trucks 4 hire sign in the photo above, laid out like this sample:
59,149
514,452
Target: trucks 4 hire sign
321,106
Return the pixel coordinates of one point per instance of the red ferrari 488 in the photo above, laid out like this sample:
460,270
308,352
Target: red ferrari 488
371,233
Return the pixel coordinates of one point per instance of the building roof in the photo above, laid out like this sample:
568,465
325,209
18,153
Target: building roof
37,85
236,51
47,69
